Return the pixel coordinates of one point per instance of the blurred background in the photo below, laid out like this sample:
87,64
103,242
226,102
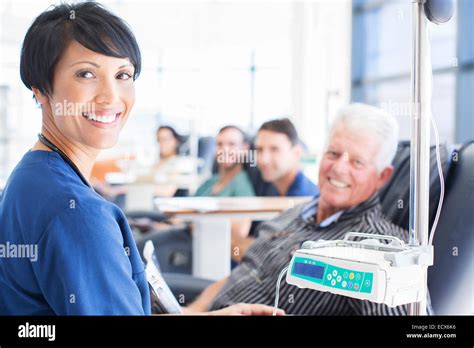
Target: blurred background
207,64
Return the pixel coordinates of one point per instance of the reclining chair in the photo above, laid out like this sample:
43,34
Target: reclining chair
450,279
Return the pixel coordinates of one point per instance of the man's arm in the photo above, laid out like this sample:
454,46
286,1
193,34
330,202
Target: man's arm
240,246
240,240
240,228
202,303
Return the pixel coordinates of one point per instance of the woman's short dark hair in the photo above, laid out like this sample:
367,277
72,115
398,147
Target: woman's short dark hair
284,126
90,24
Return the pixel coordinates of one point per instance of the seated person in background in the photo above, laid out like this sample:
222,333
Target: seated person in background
169,142
278,156
231,180
170,173
355,165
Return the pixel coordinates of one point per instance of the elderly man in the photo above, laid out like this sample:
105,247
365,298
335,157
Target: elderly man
356,164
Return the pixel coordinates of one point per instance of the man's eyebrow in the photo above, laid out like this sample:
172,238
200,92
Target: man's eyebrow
97,65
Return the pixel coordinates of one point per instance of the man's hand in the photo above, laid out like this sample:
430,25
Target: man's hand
247,309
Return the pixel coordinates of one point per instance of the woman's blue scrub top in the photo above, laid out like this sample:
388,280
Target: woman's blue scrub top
86,261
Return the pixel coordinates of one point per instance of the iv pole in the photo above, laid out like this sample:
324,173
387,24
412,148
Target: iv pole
437,11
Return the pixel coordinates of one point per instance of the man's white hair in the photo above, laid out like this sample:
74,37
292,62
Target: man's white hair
374,122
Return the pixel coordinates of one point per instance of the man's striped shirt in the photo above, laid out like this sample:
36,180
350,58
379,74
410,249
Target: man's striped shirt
254,280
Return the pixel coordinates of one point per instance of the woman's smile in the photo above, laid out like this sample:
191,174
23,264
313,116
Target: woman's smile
103,119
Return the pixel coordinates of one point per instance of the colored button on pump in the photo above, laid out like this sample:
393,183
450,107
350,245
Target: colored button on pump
356,286
334,273
329,276
345,275
338,278
358,276
333,282
351,276
344,283
349,285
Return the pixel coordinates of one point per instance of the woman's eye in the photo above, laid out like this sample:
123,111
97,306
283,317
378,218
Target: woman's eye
124,76
85,74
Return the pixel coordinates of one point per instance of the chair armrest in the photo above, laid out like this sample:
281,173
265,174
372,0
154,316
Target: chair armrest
186,287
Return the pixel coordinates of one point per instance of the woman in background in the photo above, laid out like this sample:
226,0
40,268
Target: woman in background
169,142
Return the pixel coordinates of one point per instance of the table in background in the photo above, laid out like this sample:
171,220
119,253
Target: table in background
211,217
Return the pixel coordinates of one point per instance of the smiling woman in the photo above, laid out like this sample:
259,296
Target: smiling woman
80,61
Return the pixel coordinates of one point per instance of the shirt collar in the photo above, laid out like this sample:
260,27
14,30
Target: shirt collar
308,213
